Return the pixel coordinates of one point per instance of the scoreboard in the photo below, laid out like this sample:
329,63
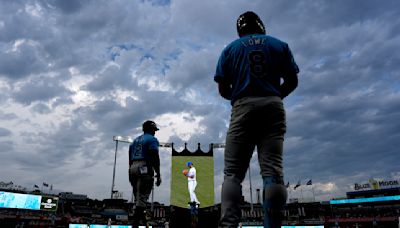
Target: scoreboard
28,201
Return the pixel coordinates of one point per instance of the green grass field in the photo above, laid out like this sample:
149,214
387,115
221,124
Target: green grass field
205,180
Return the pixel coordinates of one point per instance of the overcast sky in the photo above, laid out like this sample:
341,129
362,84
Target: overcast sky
75,73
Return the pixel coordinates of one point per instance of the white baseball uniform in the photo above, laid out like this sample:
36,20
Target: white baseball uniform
192,183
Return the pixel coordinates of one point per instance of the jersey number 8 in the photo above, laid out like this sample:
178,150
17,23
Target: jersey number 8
258,65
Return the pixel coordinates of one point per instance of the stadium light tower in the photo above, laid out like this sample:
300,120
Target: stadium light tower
118,139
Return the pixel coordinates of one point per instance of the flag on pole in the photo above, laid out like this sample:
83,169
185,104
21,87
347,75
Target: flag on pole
297,185
45,184
309,182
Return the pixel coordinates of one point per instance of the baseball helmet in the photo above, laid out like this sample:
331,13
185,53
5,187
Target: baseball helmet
189,163
249,23
150,126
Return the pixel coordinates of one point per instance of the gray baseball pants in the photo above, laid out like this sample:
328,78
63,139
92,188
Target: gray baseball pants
255,122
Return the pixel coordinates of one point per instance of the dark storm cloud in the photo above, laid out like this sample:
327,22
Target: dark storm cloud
7,146
7,116
41,108
56,149
25,61
353,133
214,123
194,69
17,23
21,41
67,7
61,101
61,39
118,75
158,2
40,89
111,116
345,118
4,132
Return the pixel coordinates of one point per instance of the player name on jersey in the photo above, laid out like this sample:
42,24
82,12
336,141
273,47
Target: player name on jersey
253,41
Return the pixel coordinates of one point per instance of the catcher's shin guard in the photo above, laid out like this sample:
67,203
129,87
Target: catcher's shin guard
274,199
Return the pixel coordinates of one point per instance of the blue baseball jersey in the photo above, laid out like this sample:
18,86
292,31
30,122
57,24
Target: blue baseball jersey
139,148
254,65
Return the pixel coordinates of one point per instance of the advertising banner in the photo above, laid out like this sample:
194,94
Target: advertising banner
28,201
376,184
19,201
49,203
